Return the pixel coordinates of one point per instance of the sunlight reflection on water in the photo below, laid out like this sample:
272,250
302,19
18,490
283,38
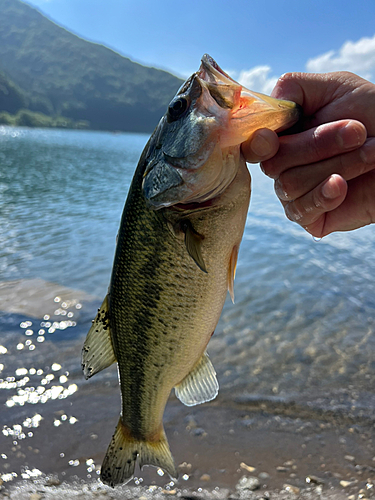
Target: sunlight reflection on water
302,324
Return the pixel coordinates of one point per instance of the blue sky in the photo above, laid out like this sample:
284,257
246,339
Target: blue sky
254,40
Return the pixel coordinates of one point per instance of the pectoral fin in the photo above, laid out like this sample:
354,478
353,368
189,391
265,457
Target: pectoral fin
97,351
200,385
232,271
193,243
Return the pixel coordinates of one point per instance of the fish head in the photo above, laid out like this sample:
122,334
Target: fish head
194,152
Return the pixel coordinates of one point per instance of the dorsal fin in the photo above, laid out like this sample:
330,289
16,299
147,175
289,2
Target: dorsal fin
200,385
97,351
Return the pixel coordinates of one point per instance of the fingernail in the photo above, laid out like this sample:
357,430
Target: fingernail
330,189
260,146
350,136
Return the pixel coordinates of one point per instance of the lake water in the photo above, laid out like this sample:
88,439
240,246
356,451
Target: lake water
301,332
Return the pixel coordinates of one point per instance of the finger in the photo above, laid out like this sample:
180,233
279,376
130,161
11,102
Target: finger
297,181
262,145
314,91
326,197
357,210
314,145
328,97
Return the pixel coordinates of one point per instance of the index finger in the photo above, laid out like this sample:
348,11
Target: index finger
314,145
327,97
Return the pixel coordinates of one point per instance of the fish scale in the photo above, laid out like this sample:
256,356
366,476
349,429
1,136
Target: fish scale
175,259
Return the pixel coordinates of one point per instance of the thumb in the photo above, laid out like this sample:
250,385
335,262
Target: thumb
261,146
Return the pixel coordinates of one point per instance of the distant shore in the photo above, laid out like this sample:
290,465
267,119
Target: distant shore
27,118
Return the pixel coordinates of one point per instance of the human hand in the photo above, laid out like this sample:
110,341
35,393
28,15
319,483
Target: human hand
262,145
325,175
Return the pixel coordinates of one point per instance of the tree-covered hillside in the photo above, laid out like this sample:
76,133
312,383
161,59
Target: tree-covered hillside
45,68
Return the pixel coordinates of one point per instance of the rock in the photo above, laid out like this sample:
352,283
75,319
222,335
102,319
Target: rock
52,481
345,484
205,477
314,480
248,483
35,496
291,488
264,475
249,468
198,431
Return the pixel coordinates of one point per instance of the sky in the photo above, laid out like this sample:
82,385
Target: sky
254,40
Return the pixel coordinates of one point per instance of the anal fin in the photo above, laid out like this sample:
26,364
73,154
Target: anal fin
97,351
232,271
200,385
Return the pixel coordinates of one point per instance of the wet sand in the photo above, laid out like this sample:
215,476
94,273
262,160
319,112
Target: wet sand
285,456
238,446
301,329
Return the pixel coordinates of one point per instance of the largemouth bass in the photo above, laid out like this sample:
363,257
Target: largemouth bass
175,260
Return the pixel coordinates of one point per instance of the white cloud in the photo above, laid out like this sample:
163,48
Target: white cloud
358,57
258,79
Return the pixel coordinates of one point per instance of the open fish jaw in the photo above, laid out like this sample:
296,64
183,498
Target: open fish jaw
209,117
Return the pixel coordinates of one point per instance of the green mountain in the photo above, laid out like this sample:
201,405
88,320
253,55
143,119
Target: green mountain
48,70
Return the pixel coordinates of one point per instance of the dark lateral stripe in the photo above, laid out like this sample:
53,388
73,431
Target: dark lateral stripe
134,297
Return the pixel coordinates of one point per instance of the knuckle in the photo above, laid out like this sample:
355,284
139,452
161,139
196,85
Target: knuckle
269,167
282,189
294,212
318,143
289,76
317,199
367,153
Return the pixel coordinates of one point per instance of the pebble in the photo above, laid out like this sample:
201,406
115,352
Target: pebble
289,463
280,468
350,458
248,483
199,432
249,468
205,477
53,481
291,488
264,475
314,480
191,423
35,496
345,484
185,465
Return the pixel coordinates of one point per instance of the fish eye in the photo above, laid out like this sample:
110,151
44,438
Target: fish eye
177,108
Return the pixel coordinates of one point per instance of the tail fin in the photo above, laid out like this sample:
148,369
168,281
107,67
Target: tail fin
119,463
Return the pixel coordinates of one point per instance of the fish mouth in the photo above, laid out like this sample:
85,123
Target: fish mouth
195,152
249,110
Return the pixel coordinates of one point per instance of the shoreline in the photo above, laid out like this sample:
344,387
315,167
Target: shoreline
215,447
